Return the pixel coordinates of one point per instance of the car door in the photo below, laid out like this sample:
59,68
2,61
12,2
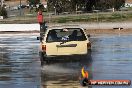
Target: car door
72,48
51,49
77,45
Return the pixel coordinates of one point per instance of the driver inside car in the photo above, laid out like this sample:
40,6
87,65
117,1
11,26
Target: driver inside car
73,36
53,36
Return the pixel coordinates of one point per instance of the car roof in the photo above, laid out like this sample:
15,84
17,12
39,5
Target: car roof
63,27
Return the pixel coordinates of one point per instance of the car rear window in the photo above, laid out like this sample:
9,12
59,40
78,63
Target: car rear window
69,34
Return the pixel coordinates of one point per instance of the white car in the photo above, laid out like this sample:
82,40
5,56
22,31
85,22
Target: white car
64,41
14,8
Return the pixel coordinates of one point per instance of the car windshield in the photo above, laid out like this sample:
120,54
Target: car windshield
67,34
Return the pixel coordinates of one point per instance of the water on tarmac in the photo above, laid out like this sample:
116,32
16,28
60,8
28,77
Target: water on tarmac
110,58
19,61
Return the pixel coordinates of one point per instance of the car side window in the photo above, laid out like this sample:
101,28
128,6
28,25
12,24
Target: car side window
73,36
52,36
77,35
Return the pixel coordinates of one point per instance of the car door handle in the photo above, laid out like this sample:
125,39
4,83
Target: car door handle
68,45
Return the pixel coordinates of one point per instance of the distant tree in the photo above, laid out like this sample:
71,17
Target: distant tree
51,4
55,5
78,5
118,3
87,5
33,2
106,4
102,4
70,5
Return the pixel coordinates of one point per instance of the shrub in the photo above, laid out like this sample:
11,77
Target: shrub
62,20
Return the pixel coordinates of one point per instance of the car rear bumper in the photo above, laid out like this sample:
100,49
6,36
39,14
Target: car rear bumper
75,55
67,56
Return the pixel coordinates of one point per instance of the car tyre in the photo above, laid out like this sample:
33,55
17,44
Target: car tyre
41,58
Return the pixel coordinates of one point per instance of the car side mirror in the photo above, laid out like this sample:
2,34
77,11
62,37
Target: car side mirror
88,35
39,38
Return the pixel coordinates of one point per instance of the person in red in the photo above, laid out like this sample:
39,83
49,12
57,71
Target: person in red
40,17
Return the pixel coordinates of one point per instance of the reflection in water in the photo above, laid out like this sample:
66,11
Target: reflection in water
65,72
4,65
19,67
111,58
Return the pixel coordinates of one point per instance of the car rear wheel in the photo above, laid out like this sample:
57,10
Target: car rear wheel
42,58
83,57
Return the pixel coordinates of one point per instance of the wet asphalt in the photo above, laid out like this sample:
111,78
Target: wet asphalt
19,61
110,58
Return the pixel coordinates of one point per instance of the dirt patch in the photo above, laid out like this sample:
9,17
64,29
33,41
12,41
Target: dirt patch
109,31
15,2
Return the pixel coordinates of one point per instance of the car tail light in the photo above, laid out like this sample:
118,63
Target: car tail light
44,47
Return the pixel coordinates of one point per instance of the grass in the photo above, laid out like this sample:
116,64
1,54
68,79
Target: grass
88,17
101,17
